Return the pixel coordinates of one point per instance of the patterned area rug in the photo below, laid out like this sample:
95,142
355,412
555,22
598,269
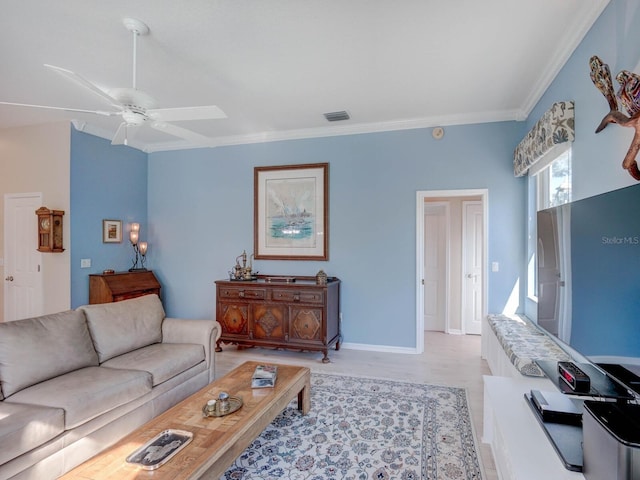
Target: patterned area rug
361,429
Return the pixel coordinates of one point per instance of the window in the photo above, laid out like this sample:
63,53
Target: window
550,183
553,180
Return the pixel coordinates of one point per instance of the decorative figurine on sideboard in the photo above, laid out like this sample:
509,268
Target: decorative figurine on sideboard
321,278
243,272
629,95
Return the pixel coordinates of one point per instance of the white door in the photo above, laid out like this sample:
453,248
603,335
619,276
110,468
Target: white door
435,266
472,262
23,288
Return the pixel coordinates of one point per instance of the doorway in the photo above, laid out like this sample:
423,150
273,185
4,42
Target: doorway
451,261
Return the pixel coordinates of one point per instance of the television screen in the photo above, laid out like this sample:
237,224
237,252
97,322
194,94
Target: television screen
589,274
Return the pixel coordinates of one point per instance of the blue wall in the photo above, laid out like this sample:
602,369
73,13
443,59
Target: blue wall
107,182
201,218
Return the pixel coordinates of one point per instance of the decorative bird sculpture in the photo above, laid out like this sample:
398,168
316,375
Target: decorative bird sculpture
629,95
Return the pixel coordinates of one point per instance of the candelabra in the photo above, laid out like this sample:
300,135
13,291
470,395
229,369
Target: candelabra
139,248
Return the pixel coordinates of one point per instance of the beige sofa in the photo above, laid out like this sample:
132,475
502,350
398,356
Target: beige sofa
73,383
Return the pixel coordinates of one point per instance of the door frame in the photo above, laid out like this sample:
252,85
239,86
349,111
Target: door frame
421,196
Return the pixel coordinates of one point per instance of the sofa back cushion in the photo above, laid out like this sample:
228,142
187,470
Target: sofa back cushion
122,327
36,349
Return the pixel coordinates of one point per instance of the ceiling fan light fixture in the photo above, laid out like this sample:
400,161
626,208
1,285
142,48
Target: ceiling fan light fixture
337,116
132,117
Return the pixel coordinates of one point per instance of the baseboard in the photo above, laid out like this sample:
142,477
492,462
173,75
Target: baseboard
378,348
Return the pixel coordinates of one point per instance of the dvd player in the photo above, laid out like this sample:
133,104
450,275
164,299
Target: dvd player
556,407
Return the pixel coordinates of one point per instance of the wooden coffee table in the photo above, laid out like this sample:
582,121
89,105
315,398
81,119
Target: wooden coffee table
217,441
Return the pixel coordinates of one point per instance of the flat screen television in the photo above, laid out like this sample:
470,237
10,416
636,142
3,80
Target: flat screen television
588,267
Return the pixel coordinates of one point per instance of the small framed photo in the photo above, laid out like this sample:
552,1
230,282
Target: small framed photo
111,231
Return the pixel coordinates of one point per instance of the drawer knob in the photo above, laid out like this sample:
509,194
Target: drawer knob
241,293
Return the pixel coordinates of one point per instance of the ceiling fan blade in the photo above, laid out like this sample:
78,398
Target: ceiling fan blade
125,133
186,113
85,83
180,132
97,112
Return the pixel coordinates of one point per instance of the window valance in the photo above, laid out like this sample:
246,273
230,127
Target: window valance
556,126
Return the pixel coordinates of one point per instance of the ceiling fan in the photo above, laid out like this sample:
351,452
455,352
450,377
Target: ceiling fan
135,106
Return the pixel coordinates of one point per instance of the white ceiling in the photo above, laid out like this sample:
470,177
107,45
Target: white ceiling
276,66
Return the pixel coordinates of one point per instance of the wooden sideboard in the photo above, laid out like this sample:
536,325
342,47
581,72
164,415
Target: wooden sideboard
280,312
114,287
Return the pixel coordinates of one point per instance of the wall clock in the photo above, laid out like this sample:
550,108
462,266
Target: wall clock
49,230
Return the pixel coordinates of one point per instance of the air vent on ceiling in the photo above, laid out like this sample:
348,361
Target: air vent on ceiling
337,116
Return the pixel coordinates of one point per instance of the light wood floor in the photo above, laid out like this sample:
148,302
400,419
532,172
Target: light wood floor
452,360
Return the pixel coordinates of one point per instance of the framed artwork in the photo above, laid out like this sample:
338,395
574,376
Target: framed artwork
111,231
291,212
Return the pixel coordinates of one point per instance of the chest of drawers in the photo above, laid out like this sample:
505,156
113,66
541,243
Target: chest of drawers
272,312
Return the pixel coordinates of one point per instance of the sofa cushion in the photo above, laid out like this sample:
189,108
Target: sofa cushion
25,427
37,349
87,393
162,361
122,327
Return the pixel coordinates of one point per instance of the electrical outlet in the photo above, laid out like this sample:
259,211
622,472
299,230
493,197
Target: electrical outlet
85,263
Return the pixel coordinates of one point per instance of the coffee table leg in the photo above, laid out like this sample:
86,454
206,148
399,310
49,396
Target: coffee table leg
304,397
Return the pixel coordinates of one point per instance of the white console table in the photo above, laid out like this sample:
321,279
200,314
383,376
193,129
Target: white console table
521,449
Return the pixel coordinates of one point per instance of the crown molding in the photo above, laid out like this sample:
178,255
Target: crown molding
562,55
344,129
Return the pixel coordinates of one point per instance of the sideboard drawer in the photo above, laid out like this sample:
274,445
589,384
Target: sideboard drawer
249,293
301,296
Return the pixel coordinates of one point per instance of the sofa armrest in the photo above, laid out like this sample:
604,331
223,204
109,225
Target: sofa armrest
199,332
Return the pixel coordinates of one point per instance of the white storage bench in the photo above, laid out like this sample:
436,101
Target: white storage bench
512,344
520,448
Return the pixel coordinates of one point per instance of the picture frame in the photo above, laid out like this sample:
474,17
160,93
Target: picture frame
111,231
291,212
